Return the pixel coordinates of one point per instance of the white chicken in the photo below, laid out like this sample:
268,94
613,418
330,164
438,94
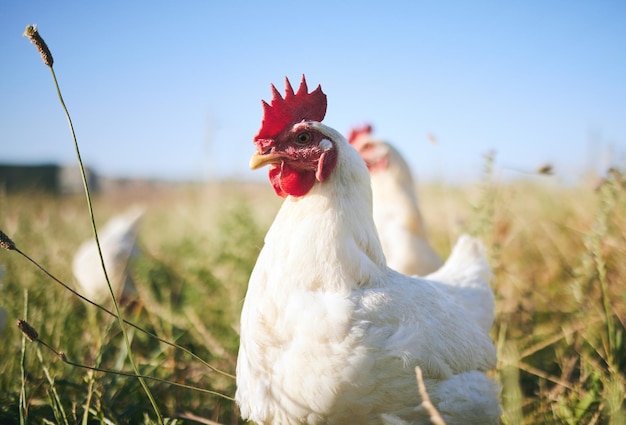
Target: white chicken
118,243
395,206
397,217
329,334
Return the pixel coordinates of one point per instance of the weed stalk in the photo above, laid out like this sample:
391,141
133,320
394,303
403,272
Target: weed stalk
31,334
7,243
608,201
484,209
57,406
22,405
34,36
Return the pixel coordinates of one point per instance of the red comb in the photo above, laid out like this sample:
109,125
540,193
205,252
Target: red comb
292,109
357,131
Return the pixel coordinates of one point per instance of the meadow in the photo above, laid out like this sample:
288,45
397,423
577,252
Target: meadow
557,252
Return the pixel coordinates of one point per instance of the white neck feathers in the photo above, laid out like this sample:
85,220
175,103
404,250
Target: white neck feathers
327,238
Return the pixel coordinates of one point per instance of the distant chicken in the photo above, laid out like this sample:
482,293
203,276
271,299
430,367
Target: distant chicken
403,236
118,243
396,211
330,334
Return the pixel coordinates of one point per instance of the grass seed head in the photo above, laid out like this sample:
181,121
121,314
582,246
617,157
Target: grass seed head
546,169
33,35
27,330
6,242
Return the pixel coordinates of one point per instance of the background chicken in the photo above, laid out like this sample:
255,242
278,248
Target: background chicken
118,243
395,205
329,333
403,237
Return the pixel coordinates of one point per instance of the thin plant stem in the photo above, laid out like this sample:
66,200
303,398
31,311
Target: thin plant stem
31,334
151,378
601,230
22,406
92,382
435,417
109,312
32,33
56,400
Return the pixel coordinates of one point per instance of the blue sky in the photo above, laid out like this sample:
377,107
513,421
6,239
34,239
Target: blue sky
173,89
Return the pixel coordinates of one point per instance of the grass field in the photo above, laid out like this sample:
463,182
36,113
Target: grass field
560,282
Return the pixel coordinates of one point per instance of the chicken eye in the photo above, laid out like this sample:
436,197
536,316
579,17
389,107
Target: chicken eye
303,138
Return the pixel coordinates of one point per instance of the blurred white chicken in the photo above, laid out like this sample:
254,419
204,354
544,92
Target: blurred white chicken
466,273
118,243
329,333
395,206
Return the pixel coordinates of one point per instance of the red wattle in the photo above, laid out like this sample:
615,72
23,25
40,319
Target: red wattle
287,180
275,180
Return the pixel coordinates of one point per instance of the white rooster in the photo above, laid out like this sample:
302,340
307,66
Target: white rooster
118,243
397,217
329,333
395,206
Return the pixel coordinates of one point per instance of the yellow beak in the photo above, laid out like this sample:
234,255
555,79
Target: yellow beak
259,160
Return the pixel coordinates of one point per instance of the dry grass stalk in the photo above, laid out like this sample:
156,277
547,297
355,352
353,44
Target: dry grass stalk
435,417
28,331
6,242
33,35
196,418
546,169
32,335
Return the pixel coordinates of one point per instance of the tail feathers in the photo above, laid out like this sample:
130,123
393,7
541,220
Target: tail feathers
465,277
467,262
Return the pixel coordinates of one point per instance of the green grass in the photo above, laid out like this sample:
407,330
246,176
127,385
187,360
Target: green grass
199,246
557,253
560,279
558,256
